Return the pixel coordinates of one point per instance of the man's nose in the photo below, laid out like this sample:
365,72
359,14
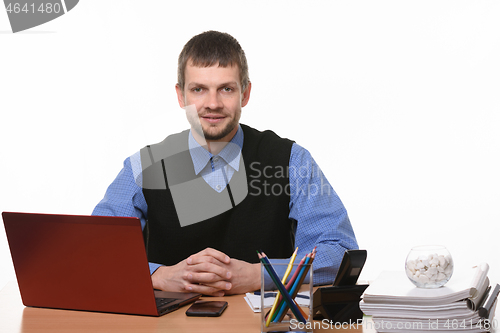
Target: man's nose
214,101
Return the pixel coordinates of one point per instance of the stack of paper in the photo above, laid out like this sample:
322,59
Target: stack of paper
398,306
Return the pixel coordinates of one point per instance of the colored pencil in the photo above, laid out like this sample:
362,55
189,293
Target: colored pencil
297,283
272,273
276,301
290,284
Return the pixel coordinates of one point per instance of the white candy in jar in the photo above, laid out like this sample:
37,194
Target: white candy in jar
430,269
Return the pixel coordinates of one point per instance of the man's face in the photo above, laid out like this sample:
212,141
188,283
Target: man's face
216,93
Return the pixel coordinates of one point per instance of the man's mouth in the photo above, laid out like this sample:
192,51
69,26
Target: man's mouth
213,119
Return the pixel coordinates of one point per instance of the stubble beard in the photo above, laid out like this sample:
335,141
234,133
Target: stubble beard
213,132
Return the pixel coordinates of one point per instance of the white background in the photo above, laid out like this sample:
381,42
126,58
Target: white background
398,102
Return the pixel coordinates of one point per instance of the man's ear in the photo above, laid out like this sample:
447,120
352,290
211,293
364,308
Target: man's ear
246,94
180,95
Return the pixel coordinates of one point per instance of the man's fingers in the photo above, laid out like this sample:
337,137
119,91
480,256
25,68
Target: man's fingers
205,278
208,255
222,257
221,285
206,267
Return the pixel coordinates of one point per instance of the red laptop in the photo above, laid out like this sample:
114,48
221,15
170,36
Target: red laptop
93,263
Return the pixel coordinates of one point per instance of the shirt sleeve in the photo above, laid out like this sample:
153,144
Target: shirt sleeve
321,217
124,196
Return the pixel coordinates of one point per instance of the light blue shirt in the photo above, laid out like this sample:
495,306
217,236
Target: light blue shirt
217,170
321,217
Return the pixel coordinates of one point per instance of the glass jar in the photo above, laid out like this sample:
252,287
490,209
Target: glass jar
429,266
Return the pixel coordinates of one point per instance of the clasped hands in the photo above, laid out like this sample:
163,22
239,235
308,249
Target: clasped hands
208,272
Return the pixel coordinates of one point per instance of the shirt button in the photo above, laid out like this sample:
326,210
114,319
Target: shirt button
216,159
218,187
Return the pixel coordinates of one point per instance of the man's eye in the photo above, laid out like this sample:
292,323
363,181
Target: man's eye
196,89
227,89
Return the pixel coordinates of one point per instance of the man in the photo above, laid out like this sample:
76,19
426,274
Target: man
214,195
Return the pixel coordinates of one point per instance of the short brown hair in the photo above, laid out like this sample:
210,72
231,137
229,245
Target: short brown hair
212,47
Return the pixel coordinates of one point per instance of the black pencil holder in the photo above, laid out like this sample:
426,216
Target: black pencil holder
339,304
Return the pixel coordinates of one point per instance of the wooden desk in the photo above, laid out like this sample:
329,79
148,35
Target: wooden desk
15,317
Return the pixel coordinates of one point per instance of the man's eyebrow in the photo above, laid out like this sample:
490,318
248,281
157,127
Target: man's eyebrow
196,84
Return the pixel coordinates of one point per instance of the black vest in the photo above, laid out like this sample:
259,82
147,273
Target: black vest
259,222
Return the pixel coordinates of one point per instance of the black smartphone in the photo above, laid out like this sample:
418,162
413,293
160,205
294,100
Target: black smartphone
206,309
350,267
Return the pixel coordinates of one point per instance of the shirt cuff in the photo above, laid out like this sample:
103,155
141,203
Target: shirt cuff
153,267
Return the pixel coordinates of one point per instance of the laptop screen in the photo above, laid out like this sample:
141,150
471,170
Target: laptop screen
95,263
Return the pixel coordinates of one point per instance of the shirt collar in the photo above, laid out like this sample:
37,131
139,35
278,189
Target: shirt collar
230,153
